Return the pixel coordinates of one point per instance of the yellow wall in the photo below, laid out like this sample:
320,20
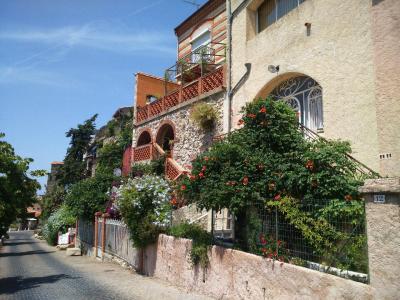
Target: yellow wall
339,55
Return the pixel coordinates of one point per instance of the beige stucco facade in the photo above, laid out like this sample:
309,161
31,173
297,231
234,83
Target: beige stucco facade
350,51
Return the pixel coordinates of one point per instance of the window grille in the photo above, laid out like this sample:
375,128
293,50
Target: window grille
304,95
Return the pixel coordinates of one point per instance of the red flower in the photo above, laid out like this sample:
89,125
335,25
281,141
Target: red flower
277,197
201,175
263,241
183,187
263,110
348,197
252,116
279,242
310,165
245,180
264,250
203,168
192,177
173,201
240,122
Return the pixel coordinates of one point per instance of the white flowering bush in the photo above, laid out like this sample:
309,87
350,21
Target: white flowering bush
57,221
144,203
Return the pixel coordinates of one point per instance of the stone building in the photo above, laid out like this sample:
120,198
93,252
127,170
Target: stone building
163,106
53,177
335,62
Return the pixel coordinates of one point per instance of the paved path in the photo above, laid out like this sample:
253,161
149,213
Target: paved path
30,269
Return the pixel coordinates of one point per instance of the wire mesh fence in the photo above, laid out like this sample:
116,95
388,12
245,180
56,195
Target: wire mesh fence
86,231
324,235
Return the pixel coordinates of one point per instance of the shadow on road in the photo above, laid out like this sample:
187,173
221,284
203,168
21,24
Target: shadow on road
17,243
25,253
10,285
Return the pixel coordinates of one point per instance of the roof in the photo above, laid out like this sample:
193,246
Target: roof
198,16
57,163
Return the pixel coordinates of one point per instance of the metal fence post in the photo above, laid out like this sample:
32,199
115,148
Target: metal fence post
96,228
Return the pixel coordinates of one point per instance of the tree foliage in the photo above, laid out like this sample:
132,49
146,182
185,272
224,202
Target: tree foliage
17,189
80,138
267,158
89,196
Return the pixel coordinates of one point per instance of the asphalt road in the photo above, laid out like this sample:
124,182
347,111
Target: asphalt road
30,269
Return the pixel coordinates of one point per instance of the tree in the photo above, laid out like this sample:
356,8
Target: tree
89,195
74,166
17,189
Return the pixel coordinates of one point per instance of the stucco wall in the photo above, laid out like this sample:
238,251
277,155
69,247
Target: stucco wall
190,140
237,275
386,42
383,231
338,54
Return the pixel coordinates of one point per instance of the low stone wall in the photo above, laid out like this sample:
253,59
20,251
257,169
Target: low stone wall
238,275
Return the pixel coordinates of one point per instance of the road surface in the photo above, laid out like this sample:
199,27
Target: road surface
30,269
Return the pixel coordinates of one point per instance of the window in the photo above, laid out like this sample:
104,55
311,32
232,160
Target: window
304,95
272,10
151,98
199,42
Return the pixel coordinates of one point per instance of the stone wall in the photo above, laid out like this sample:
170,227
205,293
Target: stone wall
190,140
383,231
352,49
238,275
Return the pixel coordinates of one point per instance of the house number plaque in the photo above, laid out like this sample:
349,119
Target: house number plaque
379,198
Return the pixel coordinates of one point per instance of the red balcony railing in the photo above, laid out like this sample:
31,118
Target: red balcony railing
142,153
203,84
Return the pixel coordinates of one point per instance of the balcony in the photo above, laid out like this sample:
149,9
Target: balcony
198,73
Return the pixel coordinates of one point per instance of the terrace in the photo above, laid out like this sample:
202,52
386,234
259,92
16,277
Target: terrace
198,74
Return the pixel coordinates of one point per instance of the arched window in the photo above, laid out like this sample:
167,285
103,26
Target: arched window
165,137
144,138
304,95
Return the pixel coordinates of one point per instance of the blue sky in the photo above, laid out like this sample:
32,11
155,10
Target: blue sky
63,61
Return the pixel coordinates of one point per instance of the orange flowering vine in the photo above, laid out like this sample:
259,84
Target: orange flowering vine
252,116
183,187
263,110
240,122
310,165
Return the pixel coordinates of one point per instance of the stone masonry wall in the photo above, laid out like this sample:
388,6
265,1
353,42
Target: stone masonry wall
190,140
234,274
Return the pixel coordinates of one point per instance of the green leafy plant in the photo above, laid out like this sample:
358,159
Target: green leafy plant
89,196
58,222
268,160
144,203
204,115
109,157
201,241
17,188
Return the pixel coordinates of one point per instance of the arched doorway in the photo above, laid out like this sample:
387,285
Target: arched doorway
304,95
165,137
144,138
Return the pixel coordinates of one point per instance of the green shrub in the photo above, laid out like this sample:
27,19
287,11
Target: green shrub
145,208
89,196
109,158
204,115
58,222
201,241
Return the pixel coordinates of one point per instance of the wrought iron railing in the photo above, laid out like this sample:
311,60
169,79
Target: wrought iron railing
361,168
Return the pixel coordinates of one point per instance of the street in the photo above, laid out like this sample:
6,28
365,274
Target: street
30,269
